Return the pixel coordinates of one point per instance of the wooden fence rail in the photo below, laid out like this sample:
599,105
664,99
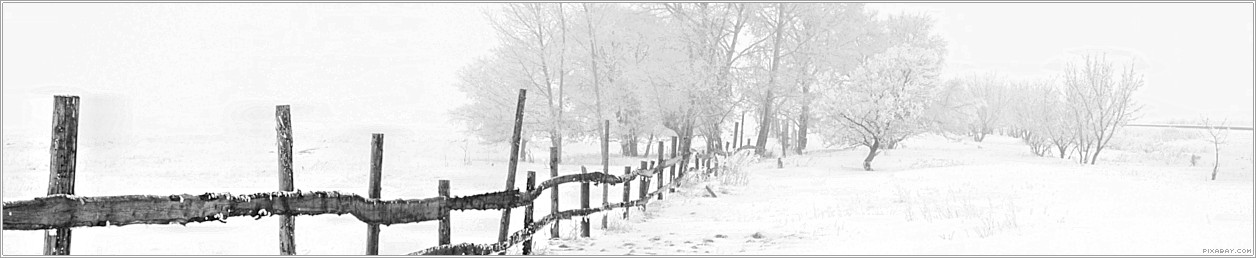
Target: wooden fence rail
530,229
62,209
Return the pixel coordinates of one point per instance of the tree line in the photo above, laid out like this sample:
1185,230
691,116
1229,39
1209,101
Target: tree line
1073,114
839,71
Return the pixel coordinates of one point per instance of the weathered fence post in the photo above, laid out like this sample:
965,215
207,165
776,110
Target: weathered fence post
283,130
527,212
736,135
377,167
584,204
554,191
514,162
64,152
627,190
672,172
442,189
606,167
659,170
645,182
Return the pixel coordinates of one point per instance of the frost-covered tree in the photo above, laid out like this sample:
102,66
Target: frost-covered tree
531,55
885,101
824,38
1099,102
990,91
1036,116
712,40
613,44
953,110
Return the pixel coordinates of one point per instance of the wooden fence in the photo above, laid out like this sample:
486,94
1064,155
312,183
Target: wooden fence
62,210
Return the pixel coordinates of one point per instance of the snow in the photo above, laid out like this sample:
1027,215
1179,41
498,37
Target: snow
937,197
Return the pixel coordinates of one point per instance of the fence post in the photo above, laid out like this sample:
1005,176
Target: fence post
554,191
287,224
672,172
377,167
659,171
584,204
627,190
645,182
736,134
527,212
442,189
513,165
606,167
64,152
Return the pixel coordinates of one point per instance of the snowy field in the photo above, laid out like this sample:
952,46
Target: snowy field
934,196
939,197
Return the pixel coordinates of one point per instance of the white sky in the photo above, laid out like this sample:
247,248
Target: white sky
221,67
1197,57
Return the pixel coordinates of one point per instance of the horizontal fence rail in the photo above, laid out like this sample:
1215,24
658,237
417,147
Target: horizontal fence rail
526,233
58,211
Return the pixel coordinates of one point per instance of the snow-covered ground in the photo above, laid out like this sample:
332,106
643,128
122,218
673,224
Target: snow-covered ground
936,196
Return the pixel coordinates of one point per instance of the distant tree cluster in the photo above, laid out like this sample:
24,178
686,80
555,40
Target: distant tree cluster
1077,114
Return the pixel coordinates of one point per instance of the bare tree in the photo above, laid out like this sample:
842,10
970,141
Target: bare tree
1099,103
1218,132
1036,115
991,93
529,56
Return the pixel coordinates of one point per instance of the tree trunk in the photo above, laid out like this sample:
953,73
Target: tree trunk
556,140
648,144
802,125
1216,161
764,126
774,66
562,79
872,153
784,137
628,145
1095,156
